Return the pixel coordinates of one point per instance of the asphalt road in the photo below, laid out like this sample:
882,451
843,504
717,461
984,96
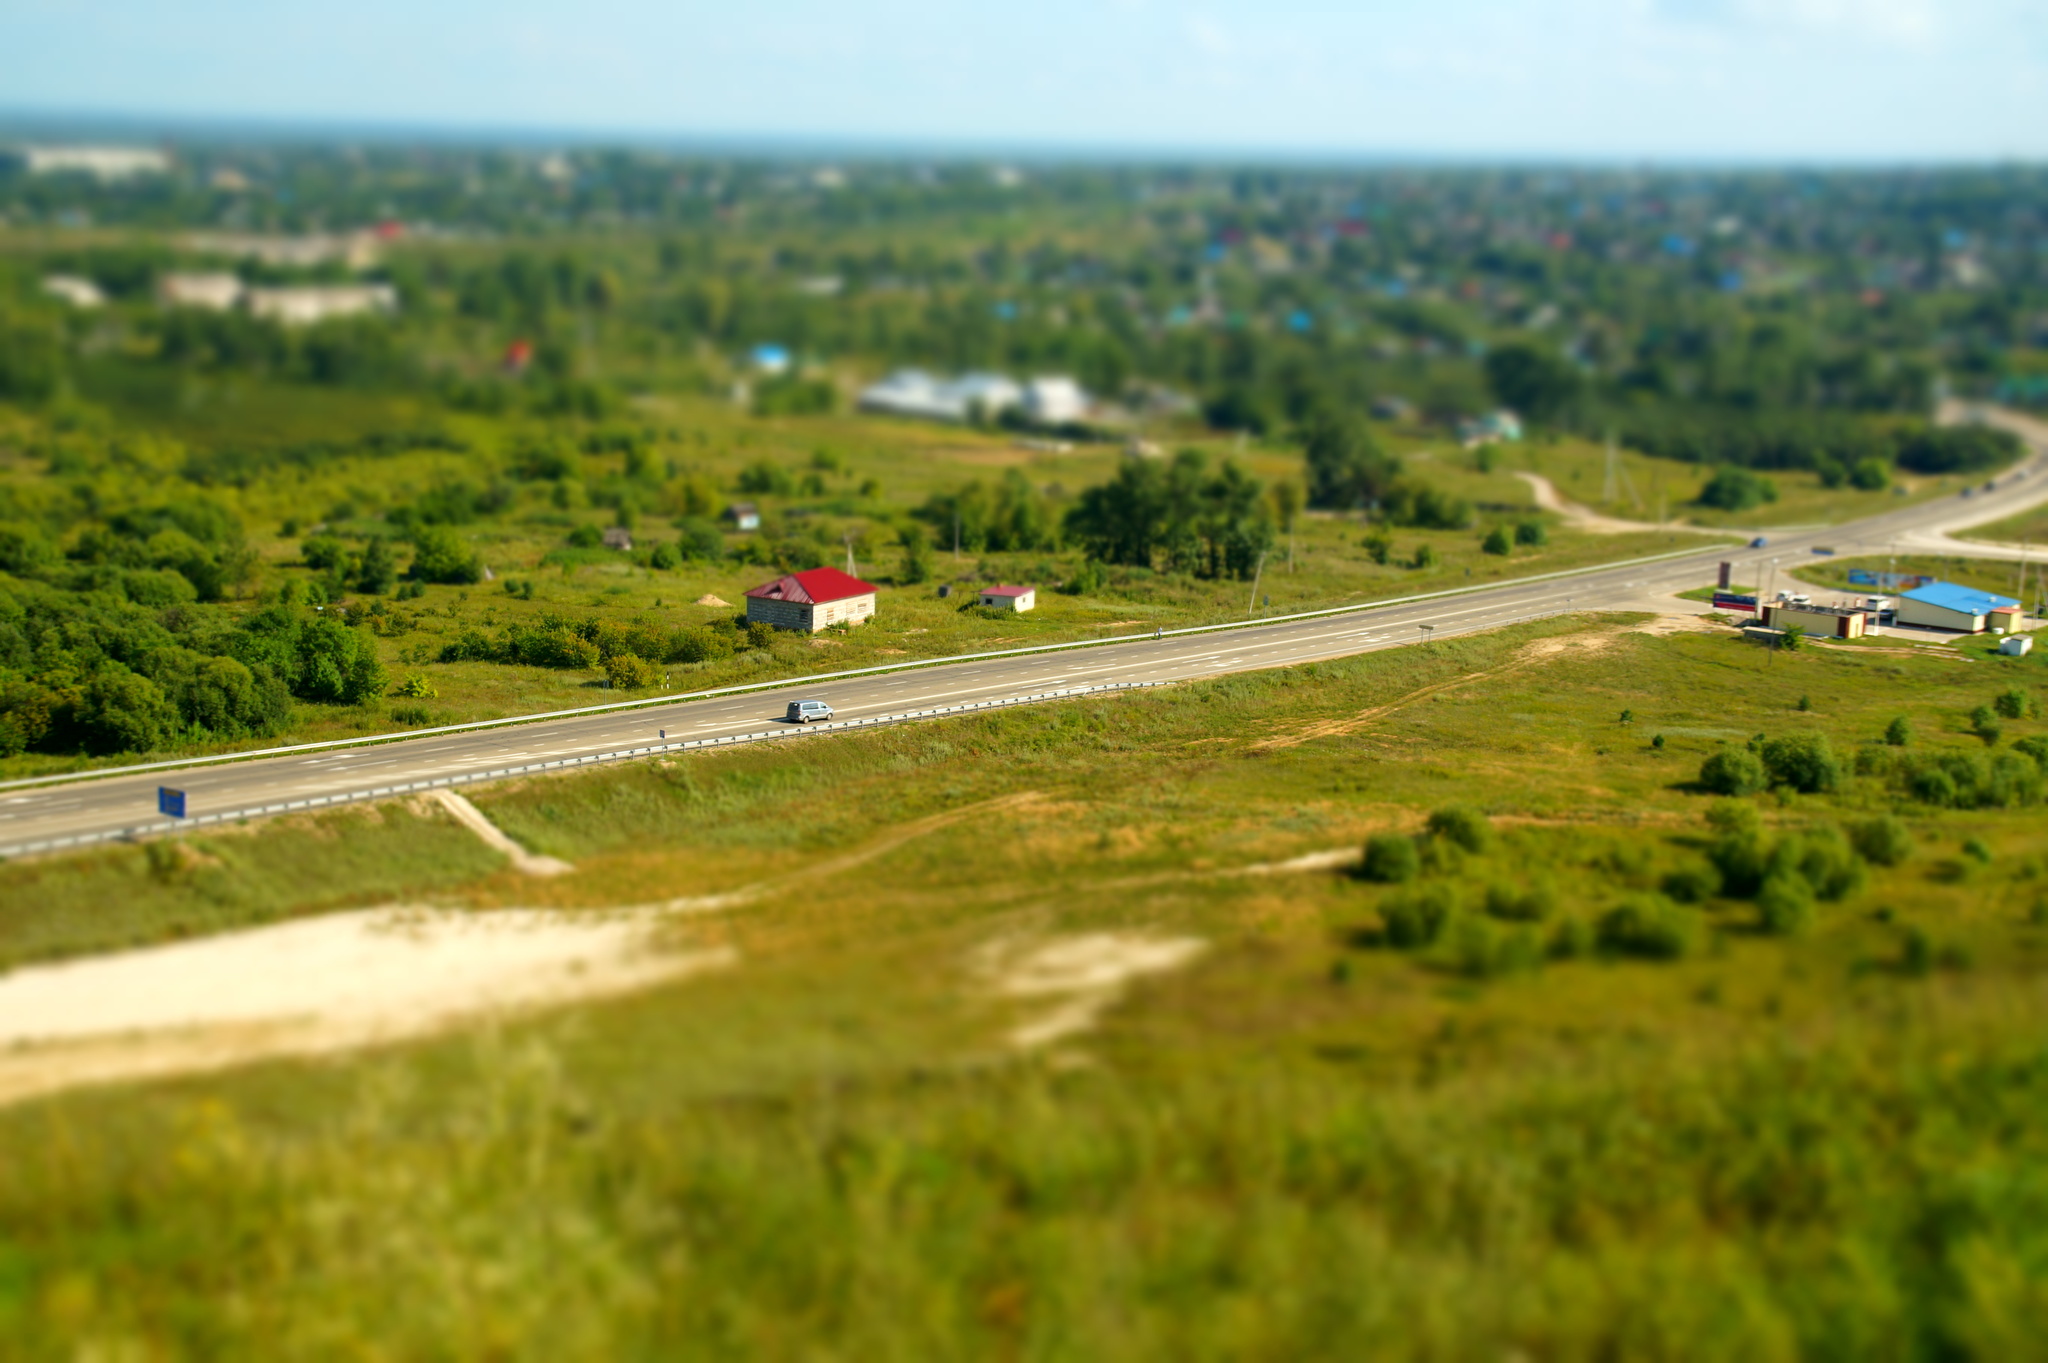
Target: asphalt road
83,810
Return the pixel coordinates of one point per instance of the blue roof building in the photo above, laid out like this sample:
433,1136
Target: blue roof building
1948,605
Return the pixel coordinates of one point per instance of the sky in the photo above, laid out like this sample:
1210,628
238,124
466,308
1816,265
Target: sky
1631,80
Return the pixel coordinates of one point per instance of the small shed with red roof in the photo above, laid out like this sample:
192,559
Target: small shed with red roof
811,601
1009,598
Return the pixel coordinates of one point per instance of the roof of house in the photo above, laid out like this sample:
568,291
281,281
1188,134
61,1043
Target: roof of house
1955,597
1004,591
814,588
738,509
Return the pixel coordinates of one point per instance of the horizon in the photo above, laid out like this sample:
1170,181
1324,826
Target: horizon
1680,82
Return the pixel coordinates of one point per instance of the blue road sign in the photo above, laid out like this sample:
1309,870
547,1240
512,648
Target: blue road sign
171,802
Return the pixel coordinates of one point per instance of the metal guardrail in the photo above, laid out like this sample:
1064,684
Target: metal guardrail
647,750
588,759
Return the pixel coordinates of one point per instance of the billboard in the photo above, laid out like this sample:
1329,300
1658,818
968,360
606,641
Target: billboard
1733,601
1891,582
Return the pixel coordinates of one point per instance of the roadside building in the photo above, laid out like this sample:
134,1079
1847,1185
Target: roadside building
1831,622
213,290
102,163
914,393
76,290
306,304
811,601
1019,599
1946,605
1055,400
745,516
619,537
769,359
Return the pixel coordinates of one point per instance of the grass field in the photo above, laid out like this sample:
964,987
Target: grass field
1538,1133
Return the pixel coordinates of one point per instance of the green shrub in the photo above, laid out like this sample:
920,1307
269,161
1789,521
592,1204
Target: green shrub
1516,904
665,557
628,672
1732,771
1390,859
1741,857
1882,841
1823,858
1734,816
416,687
2015,703
1693,884
1805,762
1984,724
1650,927
1481,949
1898,733
1416,918
1497,542
1532,533
1785,904
1463,826
439,555
1425,556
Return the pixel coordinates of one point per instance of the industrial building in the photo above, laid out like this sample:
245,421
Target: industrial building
1947,605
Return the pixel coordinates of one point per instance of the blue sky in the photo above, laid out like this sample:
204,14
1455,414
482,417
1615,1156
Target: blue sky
1853,80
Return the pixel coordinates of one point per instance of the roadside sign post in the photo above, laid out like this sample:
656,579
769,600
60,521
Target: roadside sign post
170,802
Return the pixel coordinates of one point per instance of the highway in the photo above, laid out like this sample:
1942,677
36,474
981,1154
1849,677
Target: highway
80,810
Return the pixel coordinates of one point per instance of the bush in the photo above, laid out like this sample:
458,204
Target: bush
1425,556
1532,533
2035,748
1882,841
628,672
1823,859
1899,732
1497,542
2015,703
1732,771
1984,724
1805,762
1870,475
1785,904
1483,950
416,687
1415,918
1692,884
439,555
1649,927
1462,825
119,711
585,536
1741,857
1518,905
1089,581
1733,489
1390,859
665,558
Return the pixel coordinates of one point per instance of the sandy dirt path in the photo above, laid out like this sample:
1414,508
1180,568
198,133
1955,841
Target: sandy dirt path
1585,518
314,986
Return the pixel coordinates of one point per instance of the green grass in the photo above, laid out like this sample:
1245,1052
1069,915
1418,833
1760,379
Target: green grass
196,885
1305,1143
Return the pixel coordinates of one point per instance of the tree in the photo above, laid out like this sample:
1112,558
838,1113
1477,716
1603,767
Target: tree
1883,841
119,711
1540,384
1899,732
378,571
1347,470
917,553
439,555
1498,542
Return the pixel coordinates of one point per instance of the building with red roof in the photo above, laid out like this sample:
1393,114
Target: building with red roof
811,601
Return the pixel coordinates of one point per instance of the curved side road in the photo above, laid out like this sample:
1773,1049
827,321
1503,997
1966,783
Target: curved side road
61,816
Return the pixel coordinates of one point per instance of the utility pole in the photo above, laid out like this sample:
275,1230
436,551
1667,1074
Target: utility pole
1253,604
956,532
848,537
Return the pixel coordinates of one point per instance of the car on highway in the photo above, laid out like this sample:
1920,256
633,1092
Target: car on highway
1758,543
806,711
